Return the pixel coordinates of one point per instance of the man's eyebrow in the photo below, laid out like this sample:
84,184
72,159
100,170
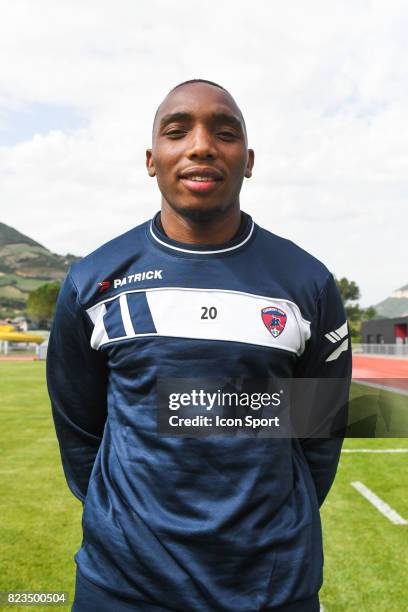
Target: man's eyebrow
218,117
227,118
174,117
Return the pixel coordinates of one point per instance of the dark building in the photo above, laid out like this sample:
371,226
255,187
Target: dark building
385,331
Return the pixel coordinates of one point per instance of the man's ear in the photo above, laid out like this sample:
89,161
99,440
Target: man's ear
149,163
250,163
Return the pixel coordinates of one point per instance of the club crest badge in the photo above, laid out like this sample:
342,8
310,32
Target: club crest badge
274,320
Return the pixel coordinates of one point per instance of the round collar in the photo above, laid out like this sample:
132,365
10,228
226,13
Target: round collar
159,238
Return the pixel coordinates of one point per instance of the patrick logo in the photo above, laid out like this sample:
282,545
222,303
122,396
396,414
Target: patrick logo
274,320
103,286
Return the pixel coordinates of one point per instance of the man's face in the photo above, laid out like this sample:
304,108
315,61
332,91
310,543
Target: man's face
199,152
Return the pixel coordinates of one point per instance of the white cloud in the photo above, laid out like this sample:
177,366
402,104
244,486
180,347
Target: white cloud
321,85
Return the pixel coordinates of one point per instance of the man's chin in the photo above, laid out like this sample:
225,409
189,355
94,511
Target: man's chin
200,212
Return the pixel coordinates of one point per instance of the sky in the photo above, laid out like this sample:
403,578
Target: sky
322,85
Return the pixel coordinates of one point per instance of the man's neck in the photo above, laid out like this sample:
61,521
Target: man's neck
217,231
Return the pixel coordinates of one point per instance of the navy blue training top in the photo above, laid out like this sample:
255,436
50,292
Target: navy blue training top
194,523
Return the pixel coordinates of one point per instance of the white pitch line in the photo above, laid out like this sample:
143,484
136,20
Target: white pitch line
381,506
375,450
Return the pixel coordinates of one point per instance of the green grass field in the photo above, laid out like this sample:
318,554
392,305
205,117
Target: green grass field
366,556
41,520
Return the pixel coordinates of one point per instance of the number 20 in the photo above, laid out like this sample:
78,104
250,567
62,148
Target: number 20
208,313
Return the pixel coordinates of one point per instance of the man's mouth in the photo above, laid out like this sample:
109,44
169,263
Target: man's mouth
201,181
200,184
199,178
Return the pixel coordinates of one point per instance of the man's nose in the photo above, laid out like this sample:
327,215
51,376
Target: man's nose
201,144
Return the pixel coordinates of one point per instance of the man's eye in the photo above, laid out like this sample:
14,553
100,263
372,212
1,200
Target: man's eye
227,134
175,133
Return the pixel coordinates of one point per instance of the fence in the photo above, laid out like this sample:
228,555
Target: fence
397,350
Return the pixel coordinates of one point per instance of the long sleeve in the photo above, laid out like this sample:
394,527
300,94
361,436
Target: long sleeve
327,356
77,386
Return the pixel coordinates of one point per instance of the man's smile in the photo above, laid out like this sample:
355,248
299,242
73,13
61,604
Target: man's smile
200,184
201,179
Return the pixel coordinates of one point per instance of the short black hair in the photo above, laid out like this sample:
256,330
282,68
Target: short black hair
197,81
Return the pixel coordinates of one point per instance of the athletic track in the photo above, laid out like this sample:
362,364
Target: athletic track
387,371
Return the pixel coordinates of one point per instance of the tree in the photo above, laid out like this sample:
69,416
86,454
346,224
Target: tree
41,302
369,313
350,292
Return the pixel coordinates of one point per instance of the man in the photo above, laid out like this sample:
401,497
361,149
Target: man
194,523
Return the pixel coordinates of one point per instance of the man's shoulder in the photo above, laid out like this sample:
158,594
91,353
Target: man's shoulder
292,257
91,273
115,248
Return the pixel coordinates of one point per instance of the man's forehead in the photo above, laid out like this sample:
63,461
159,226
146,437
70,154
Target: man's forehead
198,100
195,95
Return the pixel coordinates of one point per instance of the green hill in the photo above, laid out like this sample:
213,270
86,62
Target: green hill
396,305
25,265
